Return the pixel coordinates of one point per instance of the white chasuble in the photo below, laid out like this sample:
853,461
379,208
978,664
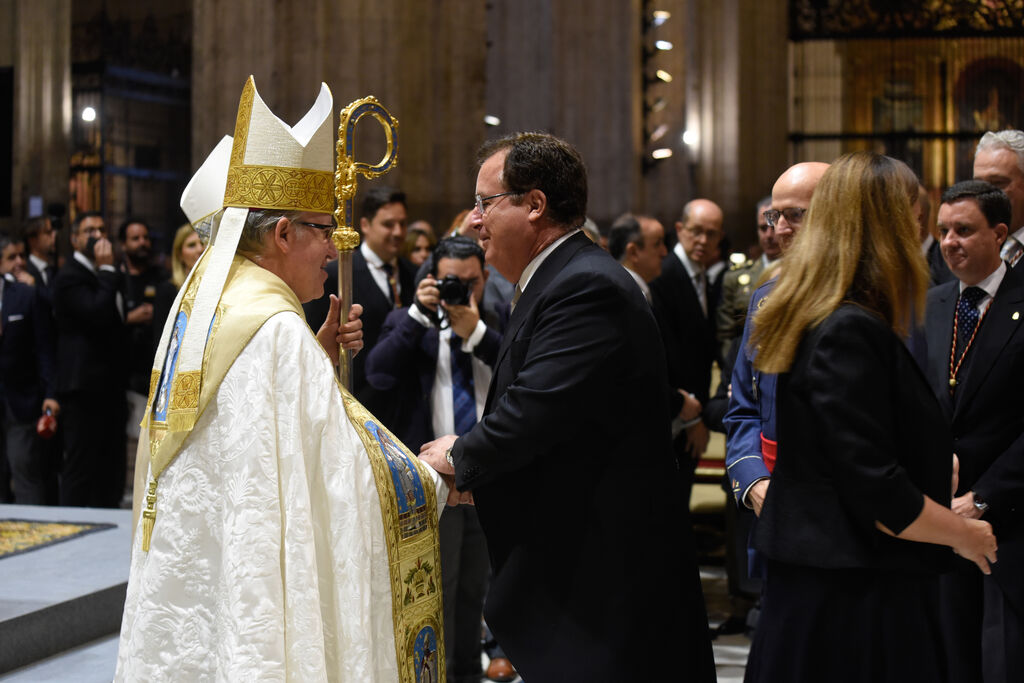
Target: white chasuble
269,558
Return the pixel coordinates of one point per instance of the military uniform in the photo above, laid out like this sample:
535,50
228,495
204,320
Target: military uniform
737,286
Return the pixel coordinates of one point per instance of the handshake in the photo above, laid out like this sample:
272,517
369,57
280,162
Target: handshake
436,454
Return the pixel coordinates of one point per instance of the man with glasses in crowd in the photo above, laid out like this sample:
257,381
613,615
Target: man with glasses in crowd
740,282
91,369
685,317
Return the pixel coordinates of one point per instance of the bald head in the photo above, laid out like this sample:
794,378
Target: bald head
791,196
700,229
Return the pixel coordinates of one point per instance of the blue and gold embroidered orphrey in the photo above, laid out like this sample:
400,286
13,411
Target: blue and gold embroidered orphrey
409,510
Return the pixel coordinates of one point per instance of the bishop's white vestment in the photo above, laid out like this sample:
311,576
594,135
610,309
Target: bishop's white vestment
269,557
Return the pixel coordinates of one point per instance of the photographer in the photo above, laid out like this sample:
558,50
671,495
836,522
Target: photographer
435,357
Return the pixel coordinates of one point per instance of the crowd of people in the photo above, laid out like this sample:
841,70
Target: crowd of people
77,345
868,356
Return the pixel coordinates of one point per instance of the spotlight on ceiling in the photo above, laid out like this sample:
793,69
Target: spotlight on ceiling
689,138
663,44
659,132
661,153
491,120
659,17
88,114
663,75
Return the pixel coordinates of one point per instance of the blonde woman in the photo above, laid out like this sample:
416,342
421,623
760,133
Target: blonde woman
855,520
185,252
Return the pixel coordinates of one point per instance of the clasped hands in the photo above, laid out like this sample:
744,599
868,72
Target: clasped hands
433,453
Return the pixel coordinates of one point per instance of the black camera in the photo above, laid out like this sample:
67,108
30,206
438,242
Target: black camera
453,291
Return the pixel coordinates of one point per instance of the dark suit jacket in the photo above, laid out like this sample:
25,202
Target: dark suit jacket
861,438
403,363
589,579
26,351
45,289
985,414
375,309
91,336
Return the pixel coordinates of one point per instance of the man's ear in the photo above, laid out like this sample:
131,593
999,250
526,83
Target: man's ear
537,201
363,224
283,235
1002,232
631,250
679,227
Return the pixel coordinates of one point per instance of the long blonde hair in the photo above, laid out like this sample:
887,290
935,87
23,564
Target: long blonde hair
858,244
178,270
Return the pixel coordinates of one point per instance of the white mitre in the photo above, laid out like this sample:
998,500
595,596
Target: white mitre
271,165
203,197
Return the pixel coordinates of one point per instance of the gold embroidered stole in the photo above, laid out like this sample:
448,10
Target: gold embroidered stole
405,488
408,504
177,400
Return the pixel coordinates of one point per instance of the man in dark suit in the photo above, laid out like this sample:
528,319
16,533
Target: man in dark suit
975,345
684,310
586,585
40,247
381,282
27,386
91,368
441,376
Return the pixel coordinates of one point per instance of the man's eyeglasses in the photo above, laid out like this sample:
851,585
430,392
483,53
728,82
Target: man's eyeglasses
325,228
697,232
482,208
793,215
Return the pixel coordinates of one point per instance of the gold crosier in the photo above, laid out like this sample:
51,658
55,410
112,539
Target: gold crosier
346,239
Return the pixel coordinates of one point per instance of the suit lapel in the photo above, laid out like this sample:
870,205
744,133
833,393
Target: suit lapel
1001,322
361,271
939,333
552,265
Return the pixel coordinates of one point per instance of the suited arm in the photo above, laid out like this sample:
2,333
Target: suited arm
42,323
87,305
394,355
743,459
1002,484
573,334
487,349
854,417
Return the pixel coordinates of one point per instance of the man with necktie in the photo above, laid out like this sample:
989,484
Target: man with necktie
687,323
436,357
976,368
999,160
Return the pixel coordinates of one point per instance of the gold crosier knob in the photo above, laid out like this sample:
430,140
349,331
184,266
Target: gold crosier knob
345,238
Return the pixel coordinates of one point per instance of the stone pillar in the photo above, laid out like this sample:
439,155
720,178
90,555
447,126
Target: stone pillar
42,102
738,100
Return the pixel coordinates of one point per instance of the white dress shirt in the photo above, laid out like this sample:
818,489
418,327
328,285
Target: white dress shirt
376,264
696,273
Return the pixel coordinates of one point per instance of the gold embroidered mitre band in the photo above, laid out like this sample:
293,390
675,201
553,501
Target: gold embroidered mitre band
274,166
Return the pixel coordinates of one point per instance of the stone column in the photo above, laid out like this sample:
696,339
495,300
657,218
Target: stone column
42,102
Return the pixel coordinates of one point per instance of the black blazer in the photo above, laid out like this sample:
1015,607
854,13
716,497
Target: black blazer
688,335
403,363
375,309
27,373
985,414
91,336
861,438
45,289
589,579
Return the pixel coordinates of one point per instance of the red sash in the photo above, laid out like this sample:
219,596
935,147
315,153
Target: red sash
769,451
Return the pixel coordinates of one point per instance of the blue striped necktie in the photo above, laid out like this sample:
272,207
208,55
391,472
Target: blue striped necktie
463,399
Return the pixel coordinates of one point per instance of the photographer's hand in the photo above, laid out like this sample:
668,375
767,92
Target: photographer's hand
427,293
463,318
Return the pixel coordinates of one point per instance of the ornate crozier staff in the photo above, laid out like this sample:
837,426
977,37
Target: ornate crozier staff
346,239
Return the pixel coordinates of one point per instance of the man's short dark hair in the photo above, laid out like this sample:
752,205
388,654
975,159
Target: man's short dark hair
34,226
81,217
6,240
122,232
625,231
458,248
376,197
546,163
992,201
